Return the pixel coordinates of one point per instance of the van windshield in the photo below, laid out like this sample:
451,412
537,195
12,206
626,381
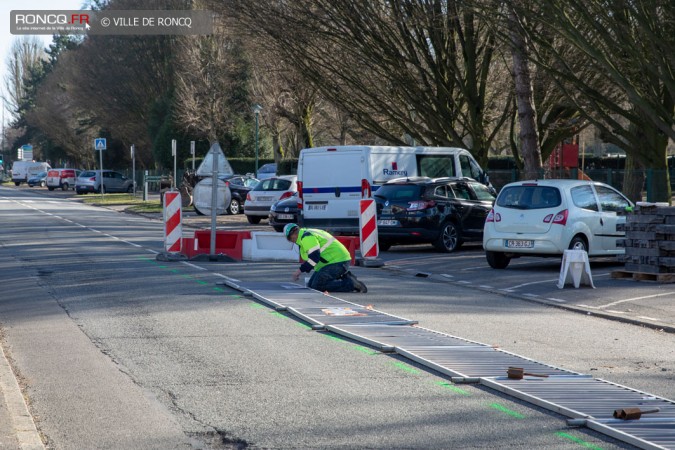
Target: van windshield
436,166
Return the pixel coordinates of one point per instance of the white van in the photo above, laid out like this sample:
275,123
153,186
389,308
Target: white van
23,170
332,180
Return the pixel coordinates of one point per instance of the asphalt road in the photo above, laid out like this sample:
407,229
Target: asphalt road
114,349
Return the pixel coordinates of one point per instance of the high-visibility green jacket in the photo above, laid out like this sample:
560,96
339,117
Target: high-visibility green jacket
319,248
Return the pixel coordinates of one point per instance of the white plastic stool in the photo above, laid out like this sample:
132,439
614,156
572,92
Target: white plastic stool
575,265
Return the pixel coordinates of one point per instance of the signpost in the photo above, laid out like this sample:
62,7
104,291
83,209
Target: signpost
174,180
133,167
100,145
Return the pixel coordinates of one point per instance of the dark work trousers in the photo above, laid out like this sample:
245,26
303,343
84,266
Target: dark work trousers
331,278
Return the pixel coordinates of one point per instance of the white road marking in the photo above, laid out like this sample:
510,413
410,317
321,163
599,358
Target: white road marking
556,300
649,318
225,276
635,298
193,265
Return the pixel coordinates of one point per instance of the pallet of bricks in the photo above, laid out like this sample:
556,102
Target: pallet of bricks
649,244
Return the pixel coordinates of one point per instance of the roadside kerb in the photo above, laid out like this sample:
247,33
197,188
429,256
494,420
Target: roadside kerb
24,427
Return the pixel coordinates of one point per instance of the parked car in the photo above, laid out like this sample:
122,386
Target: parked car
239,185
38,180
260,199
267,171
442,211
283,212
63,179
90,181
546,217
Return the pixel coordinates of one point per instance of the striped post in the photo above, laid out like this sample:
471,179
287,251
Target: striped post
173,222
368,229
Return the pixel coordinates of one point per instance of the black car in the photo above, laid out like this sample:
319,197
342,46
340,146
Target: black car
283,212
239,186
442,211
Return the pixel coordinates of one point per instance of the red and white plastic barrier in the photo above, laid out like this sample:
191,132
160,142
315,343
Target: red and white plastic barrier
368,229
173,222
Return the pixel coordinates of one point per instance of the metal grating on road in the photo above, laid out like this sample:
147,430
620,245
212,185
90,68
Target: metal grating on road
589,402
596,400
390,336
475,361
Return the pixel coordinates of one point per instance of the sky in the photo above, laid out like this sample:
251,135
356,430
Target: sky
6,38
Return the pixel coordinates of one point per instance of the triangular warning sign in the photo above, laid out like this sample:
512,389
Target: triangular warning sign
206,167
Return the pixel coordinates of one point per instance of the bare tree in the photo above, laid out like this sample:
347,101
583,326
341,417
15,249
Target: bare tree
25,57
381,60
629,47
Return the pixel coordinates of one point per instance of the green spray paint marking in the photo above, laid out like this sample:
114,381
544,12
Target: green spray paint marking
257,306
202,282
405,367
217,289
366,350
174,271
186,276
452,388
304,325
278,314
163,267
581,442
506,410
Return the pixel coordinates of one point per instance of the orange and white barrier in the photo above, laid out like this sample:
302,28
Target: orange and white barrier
173,222
368,229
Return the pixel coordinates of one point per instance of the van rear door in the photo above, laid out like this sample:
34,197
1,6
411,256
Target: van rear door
331,187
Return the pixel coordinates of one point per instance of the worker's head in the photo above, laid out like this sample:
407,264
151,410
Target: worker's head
290,230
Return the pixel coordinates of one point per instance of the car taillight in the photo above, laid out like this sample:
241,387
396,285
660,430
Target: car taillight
493,216
227,184
558,219
366,191
92,179
299,184
420,205
286,195
248,197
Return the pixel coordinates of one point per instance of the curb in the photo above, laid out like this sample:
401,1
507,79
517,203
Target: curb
24,426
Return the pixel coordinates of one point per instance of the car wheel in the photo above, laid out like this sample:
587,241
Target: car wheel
234,207
65,187
497,260
50,188
43,184
578,243
448,241
253,219
130,189
17,183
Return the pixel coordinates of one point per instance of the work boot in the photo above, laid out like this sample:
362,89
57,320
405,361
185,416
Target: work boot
359,286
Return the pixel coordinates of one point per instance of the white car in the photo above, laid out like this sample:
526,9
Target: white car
259,200
546,217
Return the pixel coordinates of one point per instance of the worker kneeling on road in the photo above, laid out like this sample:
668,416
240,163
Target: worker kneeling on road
327,256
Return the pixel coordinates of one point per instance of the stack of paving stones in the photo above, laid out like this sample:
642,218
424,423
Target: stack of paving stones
649,243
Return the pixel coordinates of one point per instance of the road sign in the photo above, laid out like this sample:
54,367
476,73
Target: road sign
99,144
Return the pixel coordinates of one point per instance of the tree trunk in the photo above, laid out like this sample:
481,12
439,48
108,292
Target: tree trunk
529,140
633,178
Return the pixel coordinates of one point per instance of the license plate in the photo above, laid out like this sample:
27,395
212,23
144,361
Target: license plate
264,199
285,216
387,223
519,243
316,207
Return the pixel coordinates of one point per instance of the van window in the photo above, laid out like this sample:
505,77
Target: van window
470,168
436,166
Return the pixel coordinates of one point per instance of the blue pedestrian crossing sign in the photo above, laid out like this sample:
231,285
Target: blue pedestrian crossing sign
99,144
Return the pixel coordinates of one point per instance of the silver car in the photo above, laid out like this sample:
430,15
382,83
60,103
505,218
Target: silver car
260,199
90,181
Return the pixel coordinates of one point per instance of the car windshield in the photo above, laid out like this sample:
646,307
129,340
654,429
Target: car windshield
529,197
399,192
482,192
273,184
88,174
